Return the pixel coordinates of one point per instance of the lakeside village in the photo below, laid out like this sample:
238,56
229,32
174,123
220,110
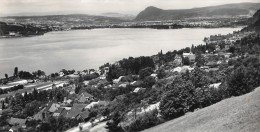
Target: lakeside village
132,94
39,26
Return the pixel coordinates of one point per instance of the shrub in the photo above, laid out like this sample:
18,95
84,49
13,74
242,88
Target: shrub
207,96
149,81
178,99
243,80
145,72
145,121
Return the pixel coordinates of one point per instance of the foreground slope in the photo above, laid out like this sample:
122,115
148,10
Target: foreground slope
234,114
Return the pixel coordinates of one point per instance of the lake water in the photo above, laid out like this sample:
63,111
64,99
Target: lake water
85,49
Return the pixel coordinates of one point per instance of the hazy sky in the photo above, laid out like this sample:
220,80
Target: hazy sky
43,7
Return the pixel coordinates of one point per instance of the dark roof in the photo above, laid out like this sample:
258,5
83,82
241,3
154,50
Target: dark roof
84,114
78,106
105,103
38,116
82,99
72,113
75,110
86,94
211,63
48,107
15,128
60,110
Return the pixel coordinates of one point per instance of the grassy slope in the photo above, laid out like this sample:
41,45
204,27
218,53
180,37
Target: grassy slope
234,114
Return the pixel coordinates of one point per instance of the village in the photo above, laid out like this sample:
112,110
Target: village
77,100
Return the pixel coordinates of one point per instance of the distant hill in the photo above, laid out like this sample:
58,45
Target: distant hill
118,15
72,19
154,13
254,22
236,114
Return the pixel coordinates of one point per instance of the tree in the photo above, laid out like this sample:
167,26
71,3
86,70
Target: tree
200,60
35,94
149,81
161,73
3,105
16,71
186,61
192,48
77,89
31,108
145,72
6,76
112,125
178,99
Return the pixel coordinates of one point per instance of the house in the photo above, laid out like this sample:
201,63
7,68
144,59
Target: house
139,89
177,69
123,85
102,77
217,48
60,112
118,80
83,116
50,109
73,76
75,110
14,129
67,101
136,83
86,82
92,104
177,61
39,115
72,113
20,82
61,74
154,75
215,85
17,122
191,57
211,64
83,97
54,107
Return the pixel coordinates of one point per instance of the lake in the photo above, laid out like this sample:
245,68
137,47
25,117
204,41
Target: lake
85,49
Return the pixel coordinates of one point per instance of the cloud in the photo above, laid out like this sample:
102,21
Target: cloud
100,6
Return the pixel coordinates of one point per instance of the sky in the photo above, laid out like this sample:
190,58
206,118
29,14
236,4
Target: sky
51,7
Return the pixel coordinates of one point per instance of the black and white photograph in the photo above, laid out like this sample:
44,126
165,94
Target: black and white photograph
129,65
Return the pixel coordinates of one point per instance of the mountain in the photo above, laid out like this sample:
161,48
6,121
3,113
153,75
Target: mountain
154,13
254,23
236,114
118,15
256,19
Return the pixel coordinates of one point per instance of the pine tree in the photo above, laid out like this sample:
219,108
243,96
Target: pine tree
3,105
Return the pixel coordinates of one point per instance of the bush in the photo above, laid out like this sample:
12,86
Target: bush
149,82
243,80
145,72
161,73
207,96
145,121
178,99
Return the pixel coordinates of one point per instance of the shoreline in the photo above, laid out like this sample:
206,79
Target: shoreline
25,36
127,56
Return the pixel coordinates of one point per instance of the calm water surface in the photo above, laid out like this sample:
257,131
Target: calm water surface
84,49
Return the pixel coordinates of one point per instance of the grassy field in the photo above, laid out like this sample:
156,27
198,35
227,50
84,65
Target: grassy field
236,114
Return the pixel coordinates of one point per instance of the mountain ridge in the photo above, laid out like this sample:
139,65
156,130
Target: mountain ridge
155,13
